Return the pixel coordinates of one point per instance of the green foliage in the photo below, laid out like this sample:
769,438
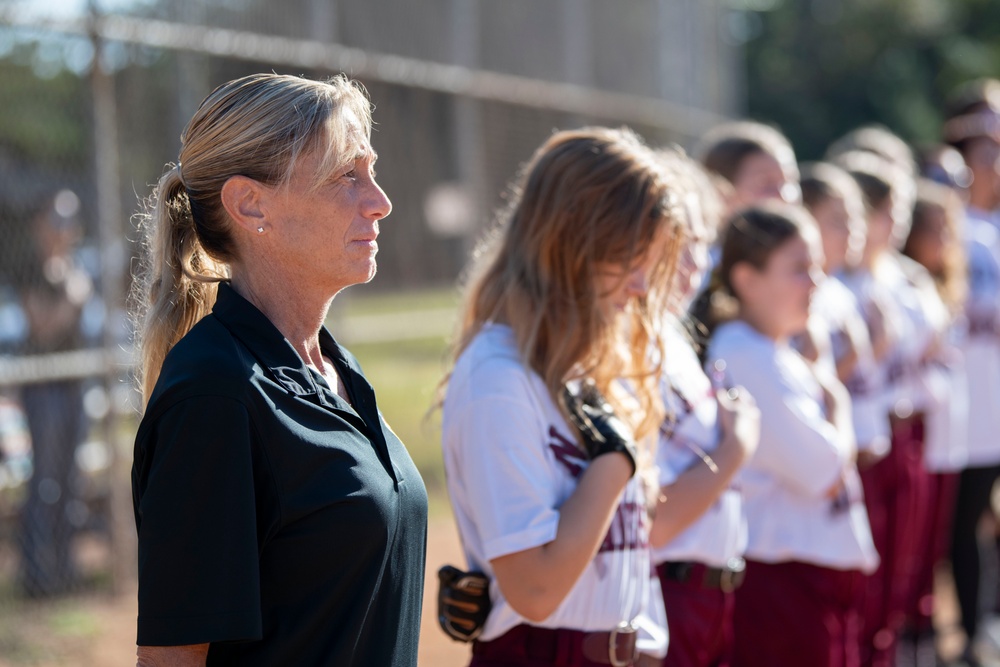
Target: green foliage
819,68
45,120
405,376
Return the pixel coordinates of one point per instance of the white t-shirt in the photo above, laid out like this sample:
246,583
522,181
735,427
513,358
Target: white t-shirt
511,462
719,534
835,319
909,331
943,385
801,456
981,347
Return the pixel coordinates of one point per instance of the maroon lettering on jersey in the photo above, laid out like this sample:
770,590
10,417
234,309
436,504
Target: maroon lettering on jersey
566,452
897,369
982,323
629,528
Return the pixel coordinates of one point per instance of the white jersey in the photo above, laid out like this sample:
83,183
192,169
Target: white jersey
943,385
836,324
511,461
690,431
801,456
890,288
981,347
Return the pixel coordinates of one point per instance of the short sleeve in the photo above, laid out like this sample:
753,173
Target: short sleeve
797,444
510,484
193,489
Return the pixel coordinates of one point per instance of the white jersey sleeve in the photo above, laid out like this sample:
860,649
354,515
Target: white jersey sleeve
798,444
787,483
514,504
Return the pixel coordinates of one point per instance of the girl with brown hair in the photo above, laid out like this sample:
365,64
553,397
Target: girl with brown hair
552,404
808,536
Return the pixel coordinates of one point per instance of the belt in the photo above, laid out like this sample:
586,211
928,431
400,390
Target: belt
726,579
562,646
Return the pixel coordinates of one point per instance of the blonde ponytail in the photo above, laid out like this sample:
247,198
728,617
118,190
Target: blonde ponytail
178,282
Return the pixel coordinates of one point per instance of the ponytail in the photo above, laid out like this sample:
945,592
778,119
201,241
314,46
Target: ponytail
178,282
714,306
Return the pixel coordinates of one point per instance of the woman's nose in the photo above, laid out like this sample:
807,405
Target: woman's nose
377,204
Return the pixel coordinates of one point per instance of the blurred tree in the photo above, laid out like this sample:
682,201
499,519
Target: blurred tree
818,68
40,118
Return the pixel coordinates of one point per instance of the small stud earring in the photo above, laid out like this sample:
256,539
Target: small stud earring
260,230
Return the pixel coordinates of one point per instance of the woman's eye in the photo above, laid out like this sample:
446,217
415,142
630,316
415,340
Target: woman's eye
351,174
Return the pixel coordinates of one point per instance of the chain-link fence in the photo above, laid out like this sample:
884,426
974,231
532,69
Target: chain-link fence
93,102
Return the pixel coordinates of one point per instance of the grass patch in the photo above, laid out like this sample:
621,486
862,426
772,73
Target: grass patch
46,632
359,301
73,622
405,374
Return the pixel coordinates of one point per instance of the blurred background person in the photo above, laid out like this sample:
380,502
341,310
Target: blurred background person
901,335
756,161
704,441
973,129
837,334
808,535
944,164
935,242
57,297
750,163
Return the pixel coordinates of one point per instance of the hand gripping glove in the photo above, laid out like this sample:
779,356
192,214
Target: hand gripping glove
463,603
601,429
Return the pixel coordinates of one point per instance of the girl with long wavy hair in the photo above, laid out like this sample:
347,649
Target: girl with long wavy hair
552,403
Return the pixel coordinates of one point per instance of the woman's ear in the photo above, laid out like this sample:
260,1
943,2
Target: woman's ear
743,277
243,199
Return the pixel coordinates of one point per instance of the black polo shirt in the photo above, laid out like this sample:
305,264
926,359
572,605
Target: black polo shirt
276,521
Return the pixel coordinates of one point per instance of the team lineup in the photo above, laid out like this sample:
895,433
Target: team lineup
706,410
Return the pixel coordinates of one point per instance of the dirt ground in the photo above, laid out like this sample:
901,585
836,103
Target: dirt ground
99,630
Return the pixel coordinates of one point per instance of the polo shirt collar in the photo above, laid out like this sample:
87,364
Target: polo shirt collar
271,349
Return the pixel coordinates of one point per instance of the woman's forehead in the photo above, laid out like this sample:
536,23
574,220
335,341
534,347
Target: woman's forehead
342,142
346,139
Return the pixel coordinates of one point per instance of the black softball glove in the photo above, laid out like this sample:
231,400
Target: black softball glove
603,432
463,602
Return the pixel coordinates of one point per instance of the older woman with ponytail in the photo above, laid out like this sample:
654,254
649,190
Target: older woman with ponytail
280,520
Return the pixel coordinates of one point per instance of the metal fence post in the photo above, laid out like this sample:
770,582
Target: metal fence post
113,262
